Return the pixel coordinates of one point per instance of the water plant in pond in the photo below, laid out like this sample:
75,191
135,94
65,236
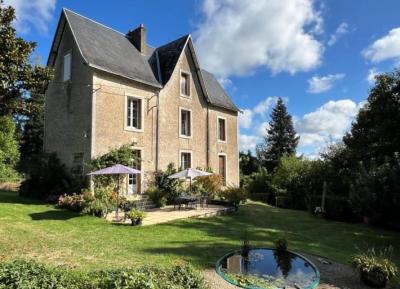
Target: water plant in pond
266,281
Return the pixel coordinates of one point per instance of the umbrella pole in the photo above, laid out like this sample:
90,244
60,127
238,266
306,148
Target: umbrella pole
190,186
118,197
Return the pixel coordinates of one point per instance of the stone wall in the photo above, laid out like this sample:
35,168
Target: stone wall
68,106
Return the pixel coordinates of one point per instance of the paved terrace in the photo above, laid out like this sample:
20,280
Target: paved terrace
169,213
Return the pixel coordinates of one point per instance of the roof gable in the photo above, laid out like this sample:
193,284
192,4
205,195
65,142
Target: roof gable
168,56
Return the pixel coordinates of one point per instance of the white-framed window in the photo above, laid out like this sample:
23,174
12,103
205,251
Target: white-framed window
186,160
185,122
222,167
67,62
185,84
134,113
221,129
134,184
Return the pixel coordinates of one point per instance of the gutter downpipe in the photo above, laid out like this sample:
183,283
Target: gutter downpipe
158,131
208,138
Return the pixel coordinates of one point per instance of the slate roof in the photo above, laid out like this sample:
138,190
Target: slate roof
216,94
168,56
109,50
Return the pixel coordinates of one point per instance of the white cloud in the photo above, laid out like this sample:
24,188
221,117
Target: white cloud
245,118
238,36
387,47
319,84
372,73
262,129
342,29
327,123
247,115
248,142
32,13
263,106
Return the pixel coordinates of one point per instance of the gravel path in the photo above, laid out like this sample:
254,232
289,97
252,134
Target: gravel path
333,276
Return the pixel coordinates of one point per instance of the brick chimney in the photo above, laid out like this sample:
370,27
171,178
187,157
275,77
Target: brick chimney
138,38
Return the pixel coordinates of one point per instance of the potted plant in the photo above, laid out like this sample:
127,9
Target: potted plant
375,269
281,244
136,216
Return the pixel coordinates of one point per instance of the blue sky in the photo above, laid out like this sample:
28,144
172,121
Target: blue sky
319,55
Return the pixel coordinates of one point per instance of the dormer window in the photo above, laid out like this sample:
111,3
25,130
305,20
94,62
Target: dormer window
67,66
185,84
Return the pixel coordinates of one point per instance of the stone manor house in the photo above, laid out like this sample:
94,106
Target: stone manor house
111,89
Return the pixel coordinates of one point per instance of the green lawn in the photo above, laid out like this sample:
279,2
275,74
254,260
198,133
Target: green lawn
35,230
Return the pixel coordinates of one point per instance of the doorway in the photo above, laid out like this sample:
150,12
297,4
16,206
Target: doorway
134,181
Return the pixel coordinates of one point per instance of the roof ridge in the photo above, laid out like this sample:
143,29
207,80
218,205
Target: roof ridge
94,21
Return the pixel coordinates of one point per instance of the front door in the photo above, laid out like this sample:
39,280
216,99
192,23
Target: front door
134,181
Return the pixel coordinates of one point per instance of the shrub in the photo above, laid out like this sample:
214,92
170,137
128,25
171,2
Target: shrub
50,177
107,197
171,187
9,153
297,180
157,196
32,275
122,155
96,208
372,265
74,202
97,204
208,185
259,182
26,274
136,216
234,195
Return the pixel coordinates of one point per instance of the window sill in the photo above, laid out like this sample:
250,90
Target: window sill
222,141
185,136
132,129
186,96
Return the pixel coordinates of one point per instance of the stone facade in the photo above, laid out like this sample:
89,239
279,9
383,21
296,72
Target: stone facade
87,116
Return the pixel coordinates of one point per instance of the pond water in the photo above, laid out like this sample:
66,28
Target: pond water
264,268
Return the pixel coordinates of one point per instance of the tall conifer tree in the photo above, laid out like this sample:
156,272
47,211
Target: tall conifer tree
280,139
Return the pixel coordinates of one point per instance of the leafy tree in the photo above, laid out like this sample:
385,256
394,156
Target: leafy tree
49,178
248,163
18,77
22,87
298,179
9,153
31,143
375,134
259,182
281,137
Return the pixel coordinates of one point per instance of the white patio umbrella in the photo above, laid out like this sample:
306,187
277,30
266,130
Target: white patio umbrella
116,170
189,174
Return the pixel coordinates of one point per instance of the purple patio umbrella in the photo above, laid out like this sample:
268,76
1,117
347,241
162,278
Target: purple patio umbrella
116,170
